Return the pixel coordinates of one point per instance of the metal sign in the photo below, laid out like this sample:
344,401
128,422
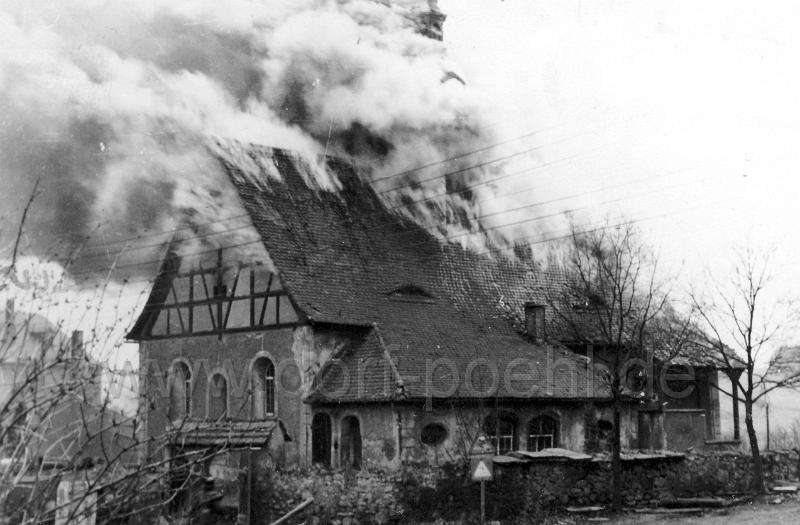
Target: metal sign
482,469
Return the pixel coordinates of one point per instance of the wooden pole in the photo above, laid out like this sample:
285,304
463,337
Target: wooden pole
294,511
767,426
483,502
249,485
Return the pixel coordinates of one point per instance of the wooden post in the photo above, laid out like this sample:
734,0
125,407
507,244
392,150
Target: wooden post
286,517
483,502
249,485
767,425
734,377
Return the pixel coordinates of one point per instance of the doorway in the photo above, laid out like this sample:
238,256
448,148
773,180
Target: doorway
351,443
321,439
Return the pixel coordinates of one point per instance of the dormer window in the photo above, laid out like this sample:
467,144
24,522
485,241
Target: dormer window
410,292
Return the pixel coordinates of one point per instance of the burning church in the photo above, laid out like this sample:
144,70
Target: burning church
323,320
342,333
354,337
308,309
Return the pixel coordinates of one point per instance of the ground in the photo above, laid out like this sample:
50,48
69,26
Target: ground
787,513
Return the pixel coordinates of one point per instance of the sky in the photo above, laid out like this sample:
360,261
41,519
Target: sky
687,113
682,115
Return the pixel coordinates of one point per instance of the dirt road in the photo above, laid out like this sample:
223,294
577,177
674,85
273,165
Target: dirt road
757,514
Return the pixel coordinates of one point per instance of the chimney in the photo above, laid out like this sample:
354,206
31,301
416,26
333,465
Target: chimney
534,321
76,344
432,21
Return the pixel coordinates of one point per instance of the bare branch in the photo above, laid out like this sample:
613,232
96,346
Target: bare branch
21,227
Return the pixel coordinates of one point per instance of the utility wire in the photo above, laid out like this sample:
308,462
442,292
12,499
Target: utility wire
477,217
462,155
477,184
397,174
445,238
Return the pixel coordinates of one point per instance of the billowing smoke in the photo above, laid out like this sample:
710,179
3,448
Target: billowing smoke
109,105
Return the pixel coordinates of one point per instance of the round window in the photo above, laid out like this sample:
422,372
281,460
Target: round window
433,434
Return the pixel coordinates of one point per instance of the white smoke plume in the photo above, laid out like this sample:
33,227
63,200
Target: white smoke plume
109,105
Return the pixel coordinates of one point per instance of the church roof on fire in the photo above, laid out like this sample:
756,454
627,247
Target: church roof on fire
347,260
420,311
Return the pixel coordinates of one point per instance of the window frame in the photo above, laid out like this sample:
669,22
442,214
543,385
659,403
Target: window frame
187,381
440,434
503,442
540,434
264,401
227,405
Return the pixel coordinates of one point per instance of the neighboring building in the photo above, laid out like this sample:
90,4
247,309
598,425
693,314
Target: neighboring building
347,335
694,420
50,394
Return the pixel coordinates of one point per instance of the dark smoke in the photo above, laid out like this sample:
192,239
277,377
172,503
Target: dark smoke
110,104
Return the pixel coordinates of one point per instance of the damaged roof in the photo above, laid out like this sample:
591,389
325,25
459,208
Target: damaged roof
343,253
433,313
430,319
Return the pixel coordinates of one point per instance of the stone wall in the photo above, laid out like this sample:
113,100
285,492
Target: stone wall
521,491
366,496
231,354
729,472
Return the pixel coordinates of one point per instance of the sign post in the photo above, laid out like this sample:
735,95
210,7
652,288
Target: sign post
482,467
483,502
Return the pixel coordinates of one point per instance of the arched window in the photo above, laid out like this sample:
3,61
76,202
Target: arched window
321,439
263,380
180,392
218,397
502,432
542,433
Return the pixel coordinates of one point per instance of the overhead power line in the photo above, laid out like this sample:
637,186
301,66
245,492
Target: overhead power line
475,185
534,239
476,203
444,238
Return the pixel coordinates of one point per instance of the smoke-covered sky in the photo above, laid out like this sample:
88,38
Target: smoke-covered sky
109,105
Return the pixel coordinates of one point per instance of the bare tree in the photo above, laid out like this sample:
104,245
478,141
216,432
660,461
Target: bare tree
60,426
58,423
610,300
743,312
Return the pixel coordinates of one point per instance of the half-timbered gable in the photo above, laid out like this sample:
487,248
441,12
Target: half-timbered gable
347,334
197,298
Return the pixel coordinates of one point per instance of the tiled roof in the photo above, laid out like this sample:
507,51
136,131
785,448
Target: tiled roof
440,352
431,319
347,260
702,351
